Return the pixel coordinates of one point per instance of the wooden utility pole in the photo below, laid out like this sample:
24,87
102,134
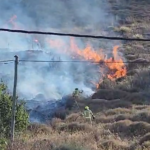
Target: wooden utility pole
14,98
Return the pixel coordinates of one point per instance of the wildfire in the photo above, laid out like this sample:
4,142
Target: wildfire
115,64
88,53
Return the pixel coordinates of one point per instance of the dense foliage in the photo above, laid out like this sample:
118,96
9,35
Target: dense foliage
21,115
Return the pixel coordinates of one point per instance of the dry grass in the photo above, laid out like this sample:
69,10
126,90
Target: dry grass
117,111
114,144
119,124
142,116
104,119
74,126
109,94
39,129
138,36
123,29
130,129
144,139
98,105
73,117
106,133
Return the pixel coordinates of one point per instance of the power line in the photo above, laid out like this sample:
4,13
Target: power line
53,61
63,61
5,61
74,35
75,61
80,61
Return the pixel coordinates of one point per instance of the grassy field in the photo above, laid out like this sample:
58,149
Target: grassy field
121,108
121,128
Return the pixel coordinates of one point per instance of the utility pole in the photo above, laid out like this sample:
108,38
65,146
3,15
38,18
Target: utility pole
14,98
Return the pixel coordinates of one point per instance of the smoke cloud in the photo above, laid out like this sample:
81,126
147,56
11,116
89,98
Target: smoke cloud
53,80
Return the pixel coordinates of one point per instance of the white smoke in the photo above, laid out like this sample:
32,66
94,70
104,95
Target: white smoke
75,16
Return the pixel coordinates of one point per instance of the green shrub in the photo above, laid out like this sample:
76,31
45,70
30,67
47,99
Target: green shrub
21,116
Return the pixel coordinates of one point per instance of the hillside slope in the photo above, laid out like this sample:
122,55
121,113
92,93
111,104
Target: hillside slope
121,108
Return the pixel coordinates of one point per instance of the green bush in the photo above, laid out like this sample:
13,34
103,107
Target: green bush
21,116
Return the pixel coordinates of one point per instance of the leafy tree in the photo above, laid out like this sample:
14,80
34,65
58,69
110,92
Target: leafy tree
21,116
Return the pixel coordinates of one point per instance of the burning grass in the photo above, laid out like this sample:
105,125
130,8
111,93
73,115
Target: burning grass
114,64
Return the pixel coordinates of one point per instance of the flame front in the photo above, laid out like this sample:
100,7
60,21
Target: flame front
88,53
115,65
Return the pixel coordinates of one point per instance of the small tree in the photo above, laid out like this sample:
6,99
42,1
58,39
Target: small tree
21,115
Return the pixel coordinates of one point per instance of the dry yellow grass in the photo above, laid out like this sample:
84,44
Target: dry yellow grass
75,134
114,144
117,111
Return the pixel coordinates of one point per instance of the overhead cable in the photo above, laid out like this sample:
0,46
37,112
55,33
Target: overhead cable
74,35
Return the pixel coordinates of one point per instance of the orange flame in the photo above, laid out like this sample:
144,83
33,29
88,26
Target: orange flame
88,53
115,65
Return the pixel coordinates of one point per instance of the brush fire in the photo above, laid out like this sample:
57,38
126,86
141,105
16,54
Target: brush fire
110,66
57,79
114,64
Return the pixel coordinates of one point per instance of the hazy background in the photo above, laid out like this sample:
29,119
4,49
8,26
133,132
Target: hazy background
67,16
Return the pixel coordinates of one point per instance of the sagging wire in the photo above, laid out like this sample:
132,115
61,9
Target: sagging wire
74,35
73,61
80,61
6,61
